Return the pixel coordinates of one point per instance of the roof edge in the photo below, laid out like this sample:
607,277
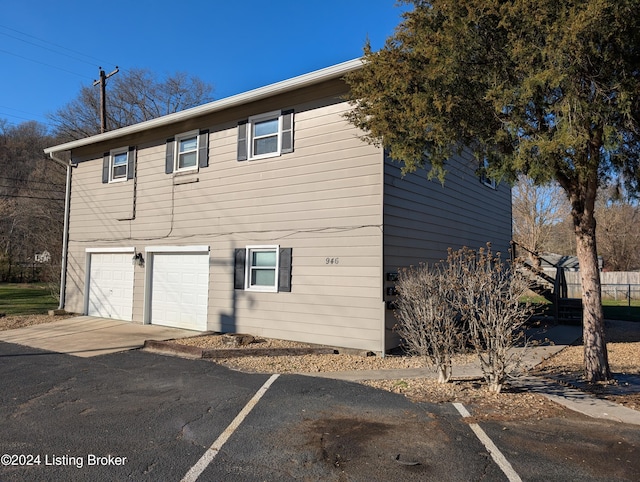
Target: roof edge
328,73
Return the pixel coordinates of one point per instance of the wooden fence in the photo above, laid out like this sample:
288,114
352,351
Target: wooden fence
616,285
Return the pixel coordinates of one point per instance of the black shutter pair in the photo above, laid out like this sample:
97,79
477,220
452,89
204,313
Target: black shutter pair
284,269
131,164
287,136
203,152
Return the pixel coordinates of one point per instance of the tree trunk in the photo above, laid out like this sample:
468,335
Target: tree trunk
596,362
444,372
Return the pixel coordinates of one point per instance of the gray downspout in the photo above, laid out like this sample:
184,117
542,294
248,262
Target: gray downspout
65,233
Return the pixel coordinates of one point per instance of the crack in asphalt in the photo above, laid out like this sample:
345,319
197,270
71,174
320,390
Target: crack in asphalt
185,432
22,408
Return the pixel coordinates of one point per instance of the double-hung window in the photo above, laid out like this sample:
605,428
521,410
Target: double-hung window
187,149
484,177
187,152
265,135
118,164
263,268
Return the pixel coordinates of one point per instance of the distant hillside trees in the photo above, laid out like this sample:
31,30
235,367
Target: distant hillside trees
132,96
31,204
542,223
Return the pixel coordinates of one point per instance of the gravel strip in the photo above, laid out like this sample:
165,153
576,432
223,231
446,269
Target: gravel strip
511,404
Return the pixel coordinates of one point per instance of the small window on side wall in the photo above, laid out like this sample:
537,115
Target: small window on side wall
265,135
484,177
263,268
118,165
187,147
187,152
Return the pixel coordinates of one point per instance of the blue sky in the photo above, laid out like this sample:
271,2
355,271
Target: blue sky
49,49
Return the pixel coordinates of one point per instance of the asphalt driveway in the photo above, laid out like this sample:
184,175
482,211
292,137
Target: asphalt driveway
136,415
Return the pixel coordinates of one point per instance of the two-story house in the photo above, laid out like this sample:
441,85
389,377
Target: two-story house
261,213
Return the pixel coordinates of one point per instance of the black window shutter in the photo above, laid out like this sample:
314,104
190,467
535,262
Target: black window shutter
106,160
242,140
203,149
131,163
168,167
240,256
287,131
284,271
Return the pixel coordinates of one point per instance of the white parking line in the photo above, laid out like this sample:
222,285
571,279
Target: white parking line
497,456
210,454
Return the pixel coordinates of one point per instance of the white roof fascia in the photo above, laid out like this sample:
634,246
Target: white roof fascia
315,77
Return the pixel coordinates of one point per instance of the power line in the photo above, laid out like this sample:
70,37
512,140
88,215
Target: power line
45,64
41,189
97,61
13,115
18,110
6,178
20,117
47,48
31,197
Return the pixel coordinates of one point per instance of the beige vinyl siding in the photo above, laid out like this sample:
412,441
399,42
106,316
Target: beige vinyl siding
423,218
323,201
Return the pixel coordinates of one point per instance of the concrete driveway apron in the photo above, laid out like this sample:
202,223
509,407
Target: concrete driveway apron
87,336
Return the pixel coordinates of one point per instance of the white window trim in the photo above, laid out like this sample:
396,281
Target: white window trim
177,249
258,118
112,154
176,161
128,249
489,181
486,180
247,268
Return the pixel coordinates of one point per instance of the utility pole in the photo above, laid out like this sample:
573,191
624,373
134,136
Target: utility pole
103,101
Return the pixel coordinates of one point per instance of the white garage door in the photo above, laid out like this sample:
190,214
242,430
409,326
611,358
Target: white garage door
180,290
110,286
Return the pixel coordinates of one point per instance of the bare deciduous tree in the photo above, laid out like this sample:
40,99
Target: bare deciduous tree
536,210
618,232
427,317
133,96
31,203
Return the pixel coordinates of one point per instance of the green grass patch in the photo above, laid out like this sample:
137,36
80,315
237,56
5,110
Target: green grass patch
621,312
26,299
613,310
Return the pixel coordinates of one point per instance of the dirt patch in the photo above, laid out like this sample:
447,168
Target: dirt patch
381,445
510,404
623,348
11,322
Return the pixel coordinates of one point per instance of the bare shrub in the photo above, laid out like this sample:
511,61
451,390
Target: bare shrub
427,316
487,296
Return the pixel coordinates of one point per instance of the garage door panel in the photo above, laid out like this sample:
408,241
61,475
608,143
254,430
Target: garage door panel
110,286
180,285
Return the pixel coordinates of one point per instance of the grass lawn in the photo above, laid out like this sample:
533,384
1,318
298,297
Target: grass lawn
613,310
620,310
26,299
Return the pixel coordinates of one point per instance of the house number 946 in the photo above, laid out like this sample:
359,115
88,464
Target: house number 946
332,261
